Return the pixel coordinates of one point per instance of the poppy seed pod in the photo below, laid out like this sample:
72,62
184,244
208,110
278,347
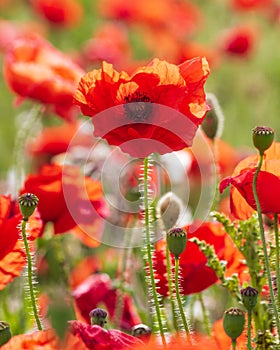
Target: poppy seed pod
176,239
141,331
27,204
249,297
234,322
5,332
262,138
98,317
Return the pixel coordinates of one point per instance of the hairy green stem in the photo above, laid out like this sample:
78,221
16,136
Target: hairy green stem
179,301
29,271
206,321
249,346
149,249
266,260
276,230
170,288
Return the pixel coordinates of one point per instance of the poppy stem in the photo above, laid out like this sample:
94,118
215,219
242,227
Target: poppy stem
148,248
179,301
266,259
276,230
170,289
249,346
233,343
204,314
30,275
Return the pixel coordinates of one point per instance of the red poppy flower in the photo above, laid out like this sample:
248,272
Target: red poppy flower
238,41
268,185
12,253
245,5
63,12
156,109
69,200
98,338
97,289
35,69
200,342
196,276
109,43
46,340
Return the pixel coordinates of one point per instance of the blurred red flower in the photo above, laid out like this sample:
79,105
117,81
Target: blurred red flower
33,68
98,289
268,185
195,274
69,200
46,340
245,5
238,41
63,12
180,18
12,253
98,338
141,102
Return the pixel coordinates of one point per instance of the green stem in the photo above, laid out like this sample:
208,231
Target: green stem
233,343
206,321
179,301
266,260
149,249
249,346
217,175
29,270
170,288
276,230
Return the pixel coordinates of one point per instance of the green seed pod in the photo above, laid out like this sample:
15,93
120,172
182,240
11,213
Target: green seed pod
98,317
176,240
5,332
141,331
27,204
249,297
262,138
234,322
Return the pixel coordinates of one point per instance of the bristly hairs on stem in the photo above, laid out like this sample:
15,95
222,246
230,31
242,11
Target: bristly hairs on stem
158,312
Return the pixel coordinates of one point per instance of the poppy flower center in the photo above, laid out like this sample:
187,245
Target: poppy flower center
137,106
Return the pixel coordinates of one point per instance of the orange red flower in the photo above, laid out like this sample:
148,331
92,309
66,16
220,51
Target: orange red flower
98,289
156,109
46,340
63,12
69,200
195,274
268,185
34,69
12,253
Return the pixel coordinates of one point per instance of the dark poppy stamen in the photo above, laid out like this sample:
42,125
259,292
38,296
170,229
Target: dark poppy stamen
137,106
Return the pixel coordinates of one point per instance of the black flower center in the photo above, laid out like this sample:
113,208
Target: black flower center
137,106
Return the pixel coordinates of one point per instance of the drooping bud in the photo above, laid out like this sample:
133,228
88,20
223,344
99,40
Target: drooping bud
27,204
249,296
141,331
5,332
176,240
262,138
98,317
212,125
234,322
169,208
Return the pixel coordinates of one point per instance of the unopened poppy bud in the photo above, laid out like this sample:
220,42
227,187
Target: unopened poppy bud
249,296
169,208
5,332
27,204
210,124
262,138
141,331
176,239
234,322
98,317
